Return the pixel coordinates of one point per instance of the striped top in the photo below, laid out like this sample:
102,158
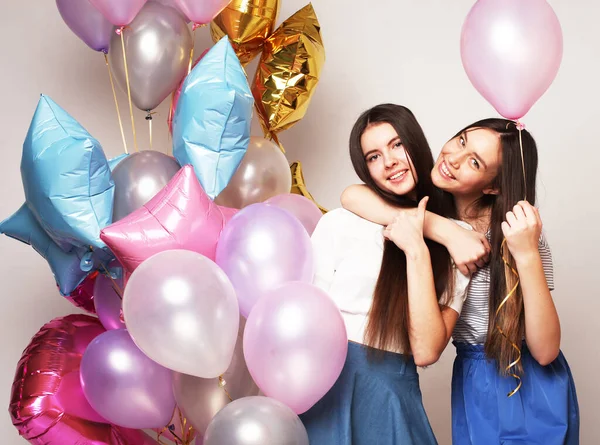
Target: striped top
472,326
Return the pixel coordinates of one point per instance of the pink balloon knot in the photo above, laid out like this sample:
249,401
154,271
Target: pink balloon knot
119,31
520,126
195,26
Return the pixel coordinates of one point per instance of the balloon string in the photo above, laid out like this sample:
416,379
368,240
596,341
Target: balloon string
510,294
121,32
195,26
187,432
149,119
520,127
192,50
112,84
115,286
222,384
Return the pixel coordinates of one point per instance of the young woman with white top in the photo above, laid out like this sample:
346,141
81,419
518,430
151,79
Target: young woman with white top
399,294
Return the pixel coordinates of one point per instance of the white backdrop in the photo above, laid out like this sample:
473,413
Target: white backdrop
403,51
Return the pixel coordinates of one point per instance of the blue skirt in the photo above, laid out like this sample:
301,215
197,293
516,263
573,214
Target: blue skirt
543,412
375,401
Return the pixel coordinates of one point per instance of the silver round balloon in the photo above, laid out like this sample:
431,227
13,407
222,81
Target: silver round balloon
263,173
256,421
157,44
201,399
138,178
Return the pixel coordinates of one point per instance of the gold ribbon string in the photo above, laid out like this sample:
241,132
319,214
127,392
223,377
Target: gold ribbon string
195,26
510,294
121,32
222,384
112,84
188,432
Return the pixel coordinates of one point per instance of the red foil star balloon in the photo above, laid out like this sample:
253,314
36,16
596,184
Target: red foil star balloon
180,216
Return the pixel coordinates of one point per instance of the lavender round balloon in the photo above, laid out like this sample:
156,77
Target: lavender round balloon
107,302
261,248
87,23
256,421
295,344
302,208
123,385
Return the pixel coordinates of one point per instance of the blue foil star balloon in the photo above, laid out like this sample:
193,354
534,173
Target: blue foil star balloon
66,177
211,127
66,267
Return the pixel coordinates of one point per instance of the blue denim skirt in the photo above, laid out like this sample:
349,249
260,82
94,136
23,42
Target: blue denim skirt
375,401
543,412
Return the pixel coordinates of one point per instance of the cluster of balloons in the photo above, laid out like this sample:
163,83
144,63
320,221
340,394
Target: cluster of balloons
172,273
155,69
178,338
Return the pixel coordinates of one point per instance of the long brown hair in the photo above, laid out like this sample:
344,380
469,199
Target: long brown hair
512,188
388,324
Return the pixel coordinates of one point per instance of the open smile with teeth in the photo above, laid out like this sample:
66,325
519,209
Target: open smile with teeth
398,176
446,171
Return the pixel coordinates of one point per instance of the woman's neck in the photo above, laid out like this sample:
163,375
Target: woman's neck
468,211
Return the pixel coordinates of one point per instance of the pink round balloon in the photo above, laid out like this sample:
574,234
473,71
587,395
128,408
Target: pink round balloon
295,344
182,311
511,51
119,12
261,248
201,11
302,208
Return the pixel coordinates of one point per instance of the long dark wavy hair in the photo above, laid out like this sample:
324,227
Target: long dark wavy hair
512,187
388,324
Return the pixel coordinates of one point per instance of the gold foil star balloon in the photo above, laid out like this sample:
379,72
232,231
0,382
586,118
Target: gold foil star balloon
298,186
247,23
288,71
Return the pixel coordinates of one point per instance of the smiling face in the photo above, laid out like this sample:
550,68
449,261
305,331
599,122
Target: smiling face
468,164
387,160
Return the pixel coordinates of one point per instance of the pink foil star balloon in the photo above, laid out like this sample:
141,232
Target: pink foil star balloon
180,216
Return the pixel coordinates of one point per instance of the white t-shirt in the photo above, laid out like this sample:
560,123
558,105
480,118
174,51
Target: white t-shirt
348,253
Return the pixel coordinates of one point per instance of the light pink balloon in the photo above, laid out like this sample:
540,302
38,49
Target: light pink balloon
511,51
295,344
201,11
302,208
180,216
119,12
182,312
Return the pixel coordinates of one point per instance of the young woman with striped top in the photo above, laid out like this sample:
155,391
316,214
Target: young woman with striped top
482,168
